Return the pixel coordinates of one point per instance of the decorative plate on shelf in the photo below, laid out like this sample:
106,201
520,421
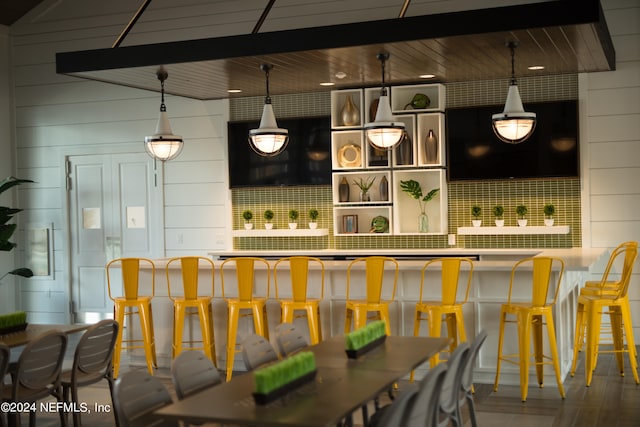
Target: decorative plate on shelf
379,224
350,156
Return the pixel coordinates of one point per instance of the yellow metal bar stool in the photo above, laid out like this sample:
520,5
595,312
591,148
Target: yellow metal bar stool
448,307
607,297
607,286
374,280
131,303
247,299
298,275
193,302
530,317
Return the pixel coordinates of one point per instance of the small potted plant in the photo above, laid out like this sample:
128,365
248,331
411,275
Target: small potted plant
498,211
268,216
521,211
549,211
476,213
293,218
364,185
313,216
247,216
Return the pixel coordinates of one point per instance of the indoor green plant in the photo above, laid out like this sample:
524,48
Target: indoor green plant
498,211
268,216
476,213
7,230
521,211
313,216
364,185
247,216
293,218
549,211
414,190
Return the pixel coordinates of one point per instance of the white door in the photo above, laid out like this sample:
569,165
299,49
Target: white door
115,210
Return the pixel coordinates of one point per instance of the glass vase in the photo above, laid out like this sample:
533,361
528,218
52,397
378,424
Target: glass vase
423,223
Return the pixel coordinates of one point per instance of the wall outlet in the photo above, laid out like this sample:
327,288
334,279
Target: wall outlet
452,239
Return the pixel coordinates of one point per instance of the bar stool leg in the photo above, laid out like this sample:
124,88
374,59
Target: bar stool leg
577,343
551,333
628,331
178,328
119,316
536,325
593,335
313,320
500,343
384,315
147,337
435,328
232,330
347,320
524,339
615,317
152,335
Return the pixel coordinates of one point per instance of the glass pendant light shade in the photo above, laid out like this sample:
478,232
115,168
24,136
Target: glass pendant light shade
163,145
384,133
513,125
268,140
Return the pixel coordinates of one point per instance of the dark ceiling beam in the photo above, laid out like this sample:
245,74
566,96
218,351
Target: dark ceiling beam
509,18
263,16
131,23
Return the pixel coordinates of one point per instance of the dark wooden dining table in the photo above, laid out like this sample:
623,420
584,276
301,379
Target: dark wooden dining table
342,386
20,338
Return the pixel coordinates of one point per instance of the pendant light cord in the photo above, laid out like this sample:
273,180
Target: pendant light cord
162,76
383,58
266,68
512,46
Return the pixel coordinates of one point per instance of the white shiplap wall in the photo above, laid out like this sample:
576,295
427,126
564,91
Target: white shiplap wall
612,164
57,115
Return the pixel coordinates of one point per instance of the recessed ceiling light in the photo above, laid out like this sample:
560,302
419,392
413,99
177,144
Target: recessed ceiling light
536,67
427,76
327,84
341,75
234,90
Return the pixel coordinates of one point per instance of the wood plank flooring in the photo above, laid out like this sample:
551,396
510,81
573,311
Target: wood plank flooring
611,400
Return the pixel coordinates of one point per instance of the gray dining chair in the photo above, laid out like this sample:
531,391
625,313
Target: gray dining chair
467,379
136,396
424,412
36,375
92,363
191,372
257,351
290,339
5,355
451,386
396,413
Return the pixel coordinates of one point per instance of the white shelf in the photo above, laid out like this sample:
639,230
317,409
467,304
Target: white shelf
542,229
281,232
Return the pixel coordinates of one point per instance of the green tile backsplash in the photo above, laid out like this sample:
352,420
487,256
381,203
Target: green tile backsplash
563,193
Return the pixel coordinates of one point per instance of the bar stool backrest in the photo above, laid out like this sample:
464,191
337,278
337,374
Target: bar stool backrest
130,276
450,277
245,275
628,251
190,269
374,273
542,269
299,275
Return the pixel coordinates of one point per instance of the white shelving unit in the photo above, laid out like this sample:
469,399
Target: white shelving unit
353,158
281,232
529,229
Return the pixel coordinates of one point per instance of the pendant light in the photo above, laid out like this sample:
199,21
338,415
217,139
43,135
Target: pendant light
384,133
513,125
268,140
163,145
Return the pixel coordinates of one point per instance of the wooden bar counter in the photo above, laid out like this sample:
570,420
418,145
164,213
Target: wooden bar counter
488,291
